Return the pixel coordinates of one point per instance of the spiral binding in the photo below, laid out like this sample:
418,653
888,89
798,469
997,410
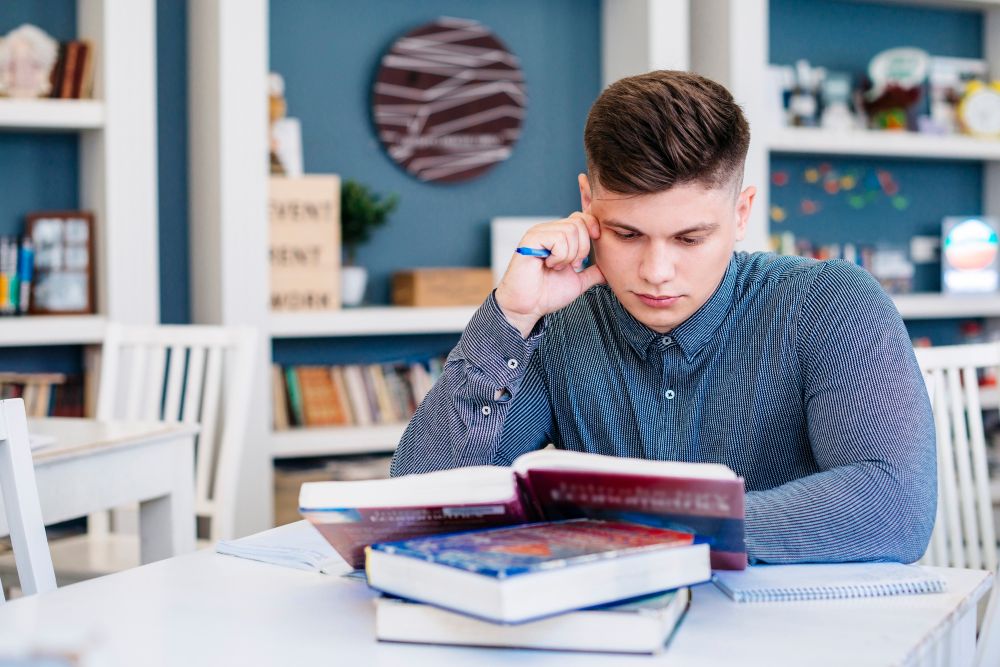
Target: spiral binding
839,592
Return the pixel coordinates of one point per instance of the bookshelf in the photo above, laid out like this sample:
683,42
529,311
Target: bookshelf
743,68
117,172
52,330
51,115
374,321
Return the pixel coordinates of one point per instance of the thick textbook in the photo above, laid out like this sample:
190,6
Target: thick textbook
518,573
705,499
780,583
640,625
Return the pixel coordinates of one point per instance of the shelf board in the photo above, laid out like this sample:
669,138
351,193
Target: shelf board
386,320
940,4
35,330
884,144
335,440
45,114
941,306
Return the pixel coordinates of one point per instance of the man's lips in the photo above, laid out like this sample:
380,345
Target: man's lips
654,301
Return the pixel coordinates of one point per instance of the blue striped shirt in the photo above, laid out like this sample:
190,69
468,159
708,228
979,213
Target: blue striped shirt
799,375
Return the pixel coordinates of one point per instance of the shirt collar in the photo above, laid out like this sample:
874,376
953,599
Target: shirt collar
692,334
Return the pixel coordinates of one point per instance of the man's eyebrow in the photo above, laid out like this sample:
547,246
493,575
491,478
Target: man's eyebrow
694,229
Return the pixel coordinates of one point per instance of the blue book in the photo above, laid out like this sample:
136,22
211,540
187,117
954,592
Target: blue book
519,573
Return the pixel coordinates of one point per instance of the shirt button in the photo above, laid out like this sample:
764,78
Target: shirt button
669,393
512,364
668,340
486,411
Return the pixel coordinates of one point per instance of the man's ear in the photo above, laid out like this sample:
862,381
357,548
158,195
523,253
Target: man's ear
586,195
744,202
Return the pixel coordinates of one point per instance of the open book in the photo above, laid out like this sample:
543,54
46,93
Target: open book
548,485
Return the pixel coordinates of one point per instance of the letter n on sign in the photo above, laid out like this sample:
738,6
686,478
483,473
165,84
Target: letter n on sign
305,243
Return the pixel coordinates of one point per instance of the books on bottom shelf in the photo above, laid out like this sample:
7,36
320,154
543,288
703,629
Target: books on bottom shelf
639,625
521,573
350,395
45,394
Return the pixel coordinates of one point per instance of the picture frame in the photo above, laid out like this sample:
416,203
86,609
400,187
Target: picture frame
63,276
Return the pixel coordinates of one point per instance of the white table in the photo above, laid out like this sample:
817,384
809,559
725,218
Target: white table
94,466
208,609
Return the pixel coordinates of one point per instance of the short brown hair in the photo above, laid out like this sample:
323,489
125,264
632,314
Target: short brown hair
647,133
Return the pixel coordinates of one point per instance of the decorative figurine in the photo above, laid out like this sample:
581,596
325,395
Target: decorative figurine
27,56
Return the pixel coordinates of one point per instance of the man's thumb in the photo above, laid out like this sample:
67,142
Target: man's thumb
591,276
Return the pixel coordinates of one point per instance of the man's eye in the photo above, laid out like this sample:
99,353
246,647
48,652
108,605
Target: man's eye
689,240
625,235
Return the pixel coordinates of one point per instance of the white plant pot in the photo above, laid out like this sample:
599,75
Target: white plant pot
353,280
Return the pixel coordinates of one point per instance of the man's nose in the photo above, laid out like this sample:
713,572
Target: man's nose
657,265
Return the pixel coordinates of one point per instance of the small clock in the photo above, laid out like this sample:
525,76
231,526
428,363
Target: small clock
979,110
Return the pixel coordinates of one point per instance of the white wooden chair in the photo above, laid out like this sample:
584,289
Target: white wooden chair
20,499
964,532
187,373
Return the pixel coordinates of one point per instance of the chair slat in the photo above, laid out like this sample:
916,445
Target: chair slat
963,464
133,390
193,386
153,384
209,426
980,471
175,383
20,499
946,471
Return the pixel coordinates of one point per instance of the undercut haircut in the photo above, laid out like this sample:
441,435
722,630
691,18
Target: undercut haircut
647,133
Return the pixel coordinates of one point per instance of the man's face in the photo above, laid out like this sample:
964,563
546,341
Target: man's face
664,254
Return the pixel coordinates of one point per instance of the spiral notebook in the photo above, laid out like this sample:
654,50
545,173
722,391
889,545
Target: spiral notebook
780,583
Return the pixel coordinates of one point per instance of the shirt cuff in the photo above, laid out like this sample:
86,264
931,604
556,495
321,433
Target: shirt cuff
495,346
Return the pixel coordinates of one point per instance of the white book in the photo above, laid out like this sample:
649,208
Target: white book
642,625
779,583
288,546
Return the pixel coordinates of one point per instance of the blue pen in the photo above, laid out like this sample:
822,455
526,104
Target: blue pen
533,252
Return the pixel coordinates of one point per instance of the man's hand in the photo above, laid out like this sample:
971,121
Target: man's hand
533,287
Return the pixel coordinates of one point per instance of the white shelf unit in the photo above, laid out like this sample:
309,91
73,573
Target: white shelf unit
943,306
117,171
374,321
337,440
54,115
52,330
881,144
742,66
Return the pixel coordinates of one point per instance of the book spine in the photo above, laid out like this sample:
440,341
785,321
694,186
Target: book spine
294,397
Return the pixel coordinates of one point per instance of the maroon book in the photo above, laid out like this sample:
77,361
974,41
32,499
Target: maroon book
703,499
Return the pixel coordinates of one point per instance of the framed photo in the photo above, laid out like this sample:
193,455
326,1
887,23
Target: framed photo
63,280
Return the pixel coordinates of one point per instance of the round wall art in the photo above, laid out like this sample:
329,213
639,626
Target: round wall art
449,100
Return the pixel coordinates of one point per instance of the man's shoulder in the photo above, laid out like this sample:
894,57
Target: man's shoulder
800,276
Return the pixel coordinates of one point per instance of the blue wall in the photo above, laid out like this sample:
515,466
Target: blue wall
329,50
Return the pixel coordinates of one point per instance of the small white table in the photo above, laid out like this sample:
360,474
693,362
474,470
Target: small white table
94,466
208,609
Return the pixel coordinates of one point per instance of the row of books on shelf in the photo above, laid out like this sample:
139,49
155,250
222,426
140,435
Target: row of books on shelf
72,77
16,269
45,394
350,395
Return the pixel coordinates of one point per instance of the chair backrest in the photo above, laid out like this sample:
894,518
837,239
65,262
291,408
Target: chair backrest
193,374
20,499
964,533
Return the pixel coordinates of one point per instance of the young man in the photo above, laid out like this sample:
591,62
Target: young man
799,375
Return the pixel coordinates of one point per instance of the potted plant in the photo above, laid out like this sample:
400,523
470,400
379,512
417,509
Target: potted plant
361,213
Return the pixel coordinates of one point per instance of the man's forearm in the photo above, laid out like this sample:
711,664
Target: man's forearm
858,512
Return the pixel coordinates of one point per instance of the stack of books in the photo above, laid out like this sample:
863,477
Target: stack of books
564,550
